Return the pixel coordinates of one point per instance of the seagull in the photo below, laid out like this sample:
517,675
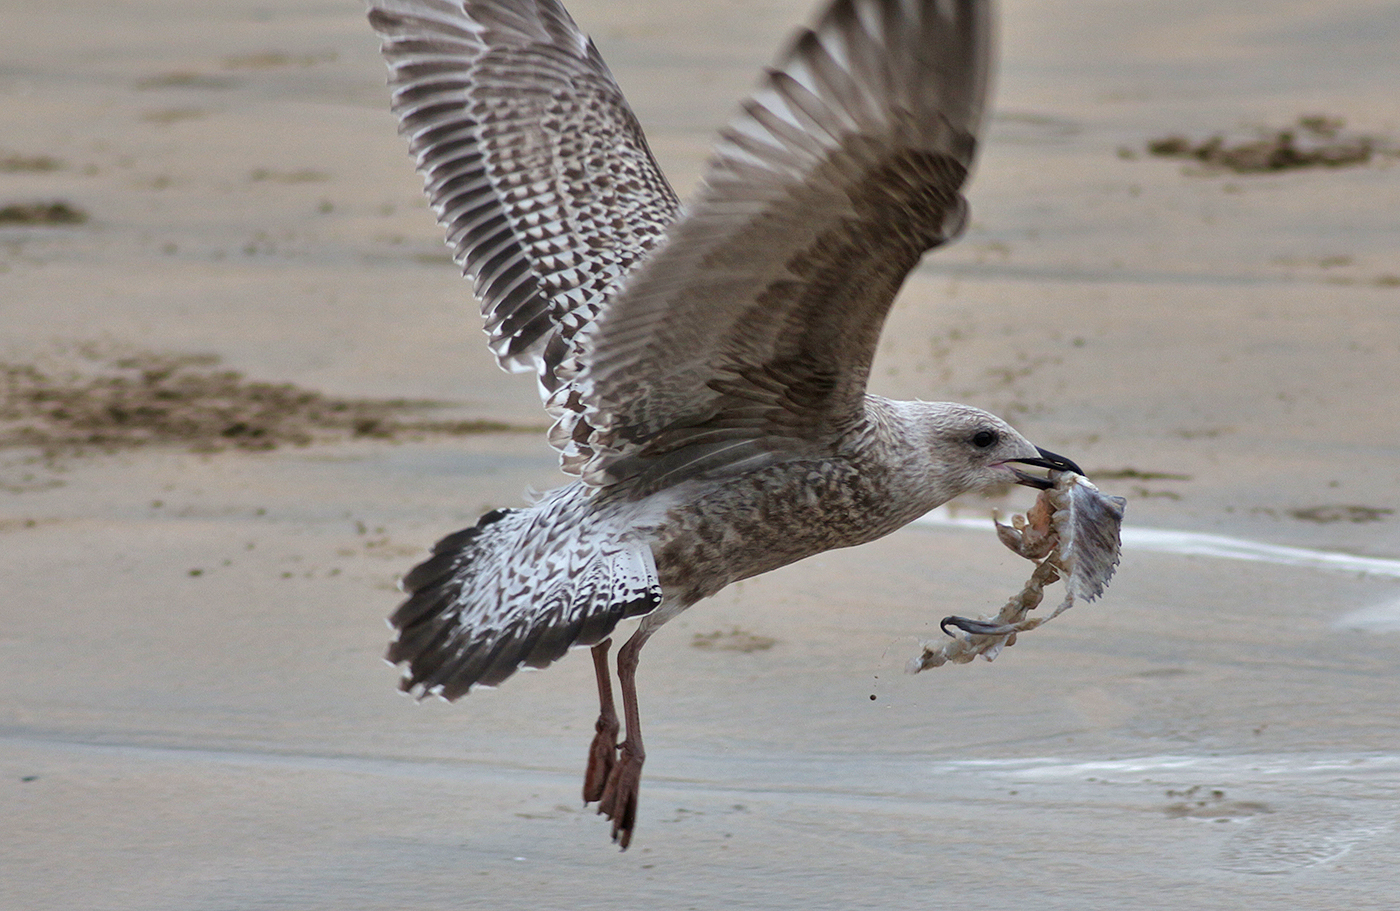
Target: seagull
704,365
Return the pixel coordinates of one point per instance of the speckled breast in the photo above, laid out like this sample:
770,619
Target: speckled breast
734,528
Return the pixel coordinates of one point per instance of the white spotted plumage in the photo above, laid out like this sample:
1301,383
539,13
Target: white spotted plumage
519,589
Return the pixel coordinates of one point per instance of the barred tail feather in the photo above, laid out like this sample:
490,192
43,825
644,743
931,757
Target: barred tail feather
518,589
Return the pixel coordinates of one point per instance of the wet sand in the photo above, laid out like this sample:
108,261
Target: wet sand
196,715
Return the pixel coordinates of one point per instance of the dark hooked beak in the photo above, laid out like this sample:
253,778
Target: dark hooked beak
1047,460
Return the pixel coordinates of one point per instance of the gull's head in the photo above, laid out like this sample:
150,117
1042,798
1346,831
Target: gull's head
971,449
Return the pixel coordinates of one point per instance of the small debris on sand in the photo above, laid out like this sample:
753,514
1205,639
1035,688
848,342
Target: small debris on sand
15,163
1314,141
57,212
1344,513
736,640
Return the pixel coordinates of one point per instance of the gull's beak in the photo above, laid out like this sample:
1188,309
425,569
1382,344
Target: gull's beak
1047,460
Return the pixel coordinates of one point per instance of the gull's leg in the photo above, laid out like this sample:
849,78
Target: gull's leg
602,755
619,801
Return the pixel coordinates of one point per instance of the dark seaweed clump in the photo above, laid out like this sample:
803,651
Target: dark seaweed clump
189,401
1314,141
57,212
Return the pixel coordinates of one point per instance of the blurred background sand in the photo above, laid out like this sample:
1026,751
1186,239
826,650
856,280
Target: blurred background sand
195,715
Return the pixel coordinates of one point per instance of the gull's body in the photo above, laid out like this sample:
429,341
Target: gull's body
705,367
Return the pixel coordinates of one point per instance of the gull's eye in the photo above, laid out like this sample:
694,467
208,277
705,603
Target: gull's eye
985,439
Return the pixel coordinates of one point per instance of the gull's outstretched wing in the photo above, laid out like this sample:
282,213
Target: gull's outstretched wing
532,159
747,337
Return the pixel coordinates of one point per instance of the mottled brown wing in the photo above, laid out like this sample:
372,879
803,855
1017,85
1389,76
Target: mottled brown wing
747,338
532,159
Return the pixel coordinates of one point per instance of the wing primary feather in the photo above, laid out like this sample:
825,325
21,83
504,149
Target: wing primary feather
747,338
532,160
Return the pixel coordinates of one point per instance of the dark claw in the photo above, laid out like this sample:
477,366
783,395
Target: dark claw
976,627
1048,460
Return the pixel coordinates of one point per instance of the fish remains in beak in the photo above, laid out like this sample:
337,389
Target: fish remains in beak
1047,460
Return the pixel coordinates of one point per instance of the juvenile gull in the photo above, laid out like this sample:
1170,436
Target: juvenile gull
705,366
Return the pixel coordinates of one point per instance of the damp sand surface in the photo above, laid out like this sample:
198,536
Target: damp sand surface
246,390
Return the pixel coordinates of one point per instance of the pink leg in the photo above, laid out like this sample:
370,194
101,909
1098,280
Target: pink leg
602,754
619,801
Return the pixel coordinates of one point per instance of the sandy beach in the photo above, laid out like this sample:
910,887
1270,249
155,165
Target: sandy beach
211,219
